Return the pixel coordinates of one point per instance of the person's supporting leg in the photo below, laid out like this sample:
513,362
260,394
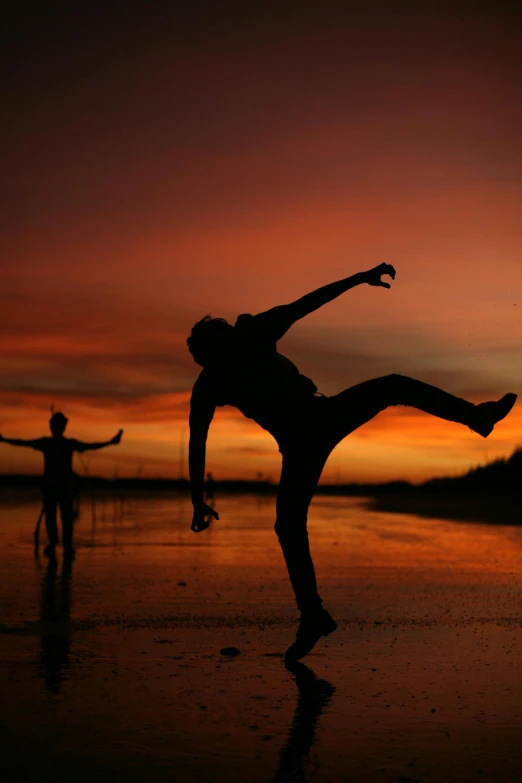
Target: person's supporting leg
67,514
50,502
299,478
357,405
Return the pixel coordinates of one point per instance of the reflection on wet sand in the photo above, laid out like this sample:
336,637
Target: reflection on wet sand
314,695
55,610
126,682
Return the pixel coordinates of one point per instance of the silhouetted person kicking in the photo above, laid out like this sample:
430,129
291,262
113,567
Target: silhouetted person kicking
58,477
241,367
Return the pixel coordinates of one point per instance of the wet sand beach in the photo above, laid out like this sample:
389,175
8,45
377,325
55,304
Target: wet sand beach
111,670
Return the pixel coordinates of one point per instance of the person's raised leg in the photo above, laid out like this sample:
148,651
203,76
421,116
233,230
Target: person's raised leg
357,405
299,479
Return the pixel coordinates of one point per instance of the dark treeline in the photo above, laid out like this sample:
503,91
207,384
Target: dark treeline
489,493
502,475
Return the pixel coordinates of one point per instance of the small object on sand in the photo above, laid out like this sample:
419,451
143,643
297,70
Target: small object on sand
181,584
229,651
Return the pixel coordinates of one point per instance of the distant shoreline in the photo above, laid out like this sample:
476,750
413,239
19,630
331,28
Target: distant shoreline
458,499
26,481
491,506
500,478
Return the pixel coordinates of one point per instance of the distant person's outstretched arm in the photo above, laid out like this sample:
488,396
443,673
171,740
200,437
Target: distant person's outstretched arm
279,319
80,446
201,414
28,444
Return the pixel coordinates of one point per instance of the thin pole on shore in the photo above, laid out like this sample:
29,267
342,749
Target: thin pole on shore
181,465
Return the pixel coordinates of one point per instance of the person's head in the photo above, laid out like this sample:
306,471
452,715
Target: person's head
58,423
210,339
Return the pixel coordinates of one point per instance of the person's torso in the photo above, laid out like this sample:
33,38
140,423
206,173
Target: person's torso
58,456
262,383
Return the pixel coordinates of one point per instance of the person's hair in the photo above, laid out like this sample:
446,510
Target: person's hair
58,422
206,336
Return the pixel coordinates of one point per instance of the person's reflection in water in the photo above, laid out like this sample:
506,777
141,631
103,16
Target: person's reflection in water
55,623
313,696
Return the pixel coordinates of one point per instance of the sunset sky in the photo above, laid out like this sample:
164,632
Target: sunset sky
161,166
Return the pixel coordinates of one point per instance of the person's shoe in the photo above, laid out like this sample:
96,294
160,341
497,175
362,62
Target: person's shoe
311,628
487,414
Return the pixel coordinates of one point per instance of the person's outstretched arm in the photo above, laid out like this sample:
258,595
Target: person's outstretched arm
80,446
279,319
201,414
28,444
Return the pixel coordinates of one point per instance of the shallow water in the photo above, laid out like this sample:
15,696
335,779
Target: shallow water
114,670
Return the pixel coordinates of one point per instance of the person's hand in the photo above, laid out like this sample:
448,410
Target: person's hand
373,276
199,521
117,437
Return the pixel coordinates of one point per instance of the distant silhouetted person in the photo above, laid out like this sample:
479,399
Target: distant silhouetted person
58,477
241,367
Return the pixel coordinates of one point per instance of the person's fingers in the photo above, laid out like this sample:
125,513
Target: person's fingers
201,524
386,269
385,285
